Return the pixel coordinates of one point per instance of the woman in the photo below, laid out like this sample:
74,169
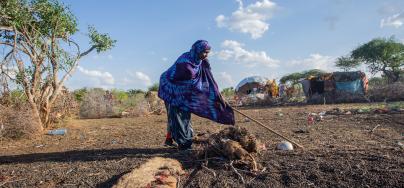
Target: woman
188,87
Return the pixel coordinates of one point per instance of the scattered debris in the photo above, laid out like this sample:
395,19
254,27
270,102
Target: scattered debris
125,114
310,119
302,130
378,125
285,145
365,110
280,114
57,132
400,144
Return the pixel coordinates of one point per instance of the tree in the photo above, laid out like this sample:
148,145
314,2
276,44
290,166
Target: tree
295,77
37,35
120,95
346,63
133,92
377,82
154,87
384,55
228,92
79,94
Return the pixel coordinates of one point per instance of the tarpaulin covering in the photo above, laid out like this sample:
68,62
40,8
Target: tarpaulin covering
355,86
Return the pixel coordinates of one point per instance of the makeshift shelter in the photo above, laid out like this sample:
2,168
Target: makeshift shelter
254,89
251,85
336,87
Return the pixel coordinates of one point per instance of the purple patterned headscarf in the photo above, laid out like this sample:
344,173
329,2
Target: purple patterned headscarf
197,48
189,85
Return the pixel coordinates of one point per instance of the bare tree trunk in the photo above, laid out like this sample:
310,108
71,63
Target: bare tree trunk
44,113
392,76
37,116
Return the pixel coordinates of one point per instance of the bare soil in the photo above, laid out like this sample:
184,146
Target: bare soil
348,150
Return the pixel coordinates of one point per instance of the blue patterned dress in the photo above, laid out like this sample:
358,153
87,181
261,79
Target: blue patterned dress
188,86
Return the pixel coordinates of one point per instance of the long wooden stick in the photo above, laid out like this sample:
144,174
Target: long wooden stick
273,131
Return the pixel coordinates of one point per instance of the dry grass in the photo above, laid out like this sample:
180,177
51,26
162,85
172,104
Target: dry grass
64,106
17,122
388,92
96,104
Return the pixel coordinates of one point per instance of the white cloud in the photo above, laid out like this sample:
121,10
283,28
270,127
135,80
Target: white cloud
102,78
164,59
226,78
144,78
233,50
314,61
397,20
251,19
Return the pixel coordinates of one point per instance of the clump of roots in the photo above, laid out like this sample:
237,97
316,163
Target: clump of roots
232,143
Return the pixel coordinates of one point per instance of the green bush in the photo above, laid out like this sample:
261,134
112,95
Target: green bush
154,87
79,94
119,95
228,92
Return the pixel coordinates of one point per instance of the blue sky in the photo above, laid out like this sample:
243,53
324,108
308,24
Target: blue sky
256,37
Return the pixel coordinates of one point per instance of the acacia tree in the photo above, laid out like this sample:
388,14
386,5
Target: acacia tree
37,37
154,87
384,55
346,63
294,78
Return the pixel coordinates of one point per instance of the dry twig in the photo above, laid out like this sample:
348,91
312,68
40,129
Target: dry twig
210,170
121,160
235,171
378,125
256,175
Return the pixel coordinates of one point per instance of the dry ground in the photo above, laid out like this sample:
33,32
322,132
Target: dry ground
340,151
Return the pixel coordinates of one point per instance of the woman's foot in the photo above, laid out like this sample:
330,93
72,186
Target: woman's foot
170,143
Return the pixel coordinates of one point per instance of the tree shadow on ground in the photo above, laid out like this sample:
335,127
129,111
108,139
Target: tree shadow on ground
100,155
88,155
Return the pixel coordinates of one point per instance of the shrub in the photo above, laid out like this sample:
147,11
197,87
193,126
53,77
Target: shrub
154,87
387,92
119,95
65,105
17,122
79,94
98,103
132,92
228,93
